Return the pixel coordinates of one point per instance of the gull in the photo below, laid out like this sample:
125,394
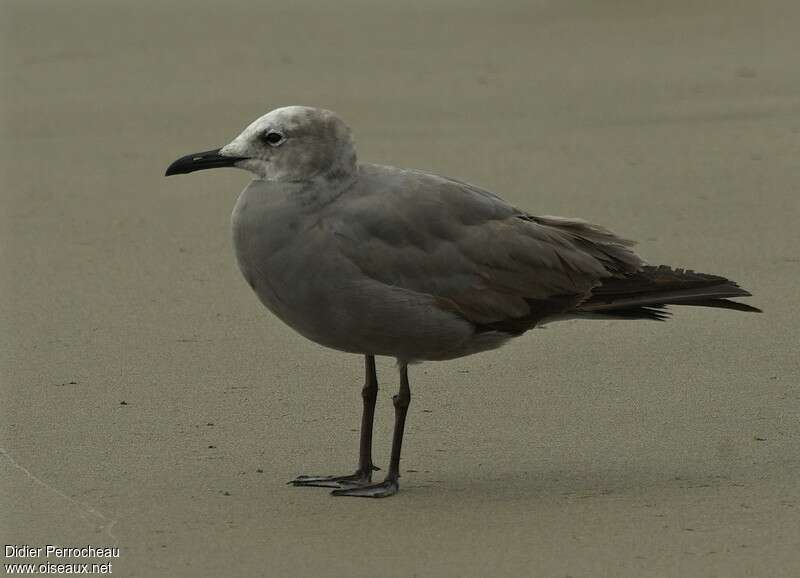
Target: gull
382,261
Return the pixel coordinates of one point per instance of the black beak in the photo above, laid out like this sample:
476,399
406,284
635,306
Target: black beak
201,161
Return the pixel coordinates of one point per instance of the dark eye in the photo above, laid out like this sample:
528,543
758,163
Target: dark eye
273,138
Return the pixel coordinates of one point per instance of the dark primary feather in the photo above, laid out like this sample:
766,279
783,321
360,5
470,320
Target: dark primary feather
644,294
663,285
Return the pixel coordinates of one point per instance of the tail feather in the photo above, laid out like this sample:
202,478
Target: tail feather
639,295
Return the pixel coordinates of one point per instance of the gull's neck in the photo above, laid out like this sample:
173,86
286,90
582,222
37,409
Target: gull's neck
323,189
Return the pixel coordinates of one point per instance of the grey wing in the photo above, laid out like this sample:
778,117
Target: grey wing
476,255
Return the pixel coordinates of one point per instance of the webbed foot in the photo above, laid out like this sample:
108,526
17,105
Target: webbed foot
357,479
382,490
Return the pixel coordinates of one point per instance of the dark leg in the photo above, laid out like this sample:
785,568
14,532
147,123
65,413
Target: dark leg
389,486
365,466
369,394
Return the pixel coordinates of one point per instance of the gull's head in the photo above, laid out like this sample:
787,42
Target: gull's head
294,144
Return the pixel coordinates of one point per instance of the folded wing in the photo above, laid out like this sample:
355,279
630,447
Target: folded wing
476,255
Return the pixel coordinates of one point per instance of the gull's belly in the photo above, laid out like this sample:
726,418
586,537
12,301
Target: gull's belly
327,301
293,288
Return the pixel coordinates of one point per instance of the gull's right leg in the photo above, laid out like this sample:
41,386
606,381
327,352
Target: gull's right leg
363,474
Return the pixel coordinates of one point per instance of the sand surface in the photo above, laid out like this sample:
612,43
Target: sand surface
149,401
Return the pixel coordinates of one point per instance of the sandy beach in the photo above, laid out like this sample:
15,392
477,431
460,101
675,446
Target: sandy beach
150,402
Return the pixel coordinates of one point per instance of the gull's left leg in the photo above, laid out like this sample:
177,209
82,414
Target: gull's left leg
389,486
363,474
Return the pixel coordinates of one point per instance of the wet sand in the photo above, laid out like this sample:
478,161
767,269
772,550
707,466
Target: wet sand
149,400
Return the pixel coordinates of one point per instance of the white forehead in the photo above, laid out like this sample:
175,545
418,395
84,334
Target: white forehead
288,117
